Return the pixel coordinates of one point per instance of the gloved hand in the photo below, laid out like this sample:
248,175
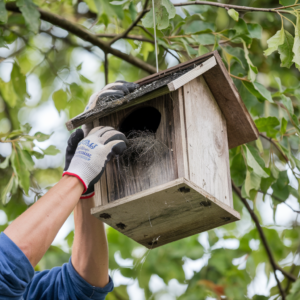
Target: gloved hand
92,154
112,91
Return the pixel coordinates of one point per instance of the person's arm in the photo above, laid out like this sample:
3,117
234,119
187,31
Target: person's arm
34,230
90,250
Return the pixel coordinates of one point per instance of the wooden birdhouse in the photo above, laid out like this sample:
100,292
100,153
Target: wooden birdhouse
196,111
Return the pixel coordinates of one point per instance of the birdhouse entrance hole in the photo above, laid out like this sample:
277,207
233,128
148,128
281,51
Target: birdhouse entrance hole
142,119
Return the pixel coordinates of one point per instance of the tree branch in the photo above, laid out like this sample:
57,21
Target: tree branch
129,37
124,33
236,7
264,241
86,36
275,145
106,68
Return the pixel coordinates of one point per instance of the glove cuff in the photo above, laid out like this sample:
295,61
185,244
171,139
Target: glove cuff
87,196
75,175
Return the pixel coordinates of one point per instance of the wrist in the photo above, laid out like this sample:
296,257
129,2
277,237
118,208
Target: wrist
74,181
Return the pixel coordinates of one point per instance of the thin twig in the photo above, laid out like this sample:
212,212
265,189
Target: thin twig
129,37
85,35
106,68
265,243
236,7
240,78
124,33
281,201
276,146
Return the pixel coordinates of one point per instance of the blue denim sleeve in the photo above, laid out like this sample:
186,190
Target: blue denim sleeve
64,283
18,281
16,271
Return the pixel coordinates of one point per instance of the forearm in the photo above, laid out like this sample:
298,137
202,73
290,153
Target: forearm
34,231
90,250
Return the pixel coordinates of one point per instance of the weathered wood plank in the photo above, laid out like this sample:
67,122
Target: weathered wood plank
180,133
240,126
196,72
166,213
206,140
139,178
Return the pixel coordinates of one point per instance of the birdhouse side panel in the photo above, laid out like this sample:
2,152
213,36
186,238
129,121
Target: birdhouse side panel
115,183
207,142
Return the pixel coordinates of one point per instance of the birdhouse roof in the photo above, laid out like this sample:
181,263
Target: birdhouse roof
240,126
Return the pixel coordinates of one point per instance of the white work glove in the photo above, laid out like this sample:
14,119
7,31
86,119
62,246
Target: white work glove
92,154
110,92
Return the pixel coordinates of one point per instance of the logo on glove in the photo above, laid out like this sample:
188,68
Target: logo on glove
88,144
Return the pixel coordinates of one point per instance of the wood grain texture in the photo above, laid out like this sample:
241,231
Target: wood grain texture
166,213
240,126
207,142
191,63
180,133
196,72
139,178
101,186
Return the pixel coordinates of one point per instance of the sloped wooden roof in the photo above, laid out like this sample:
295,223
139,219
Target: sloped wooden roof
240,126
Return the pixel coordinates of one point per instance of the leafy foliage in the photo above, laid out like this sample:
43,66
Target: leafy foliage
45,68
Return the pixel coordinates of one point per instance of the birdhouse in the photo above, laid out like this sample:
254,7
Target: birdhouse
195,111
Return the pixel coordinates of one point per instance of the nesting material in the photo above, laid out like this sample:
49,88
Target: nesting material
142,153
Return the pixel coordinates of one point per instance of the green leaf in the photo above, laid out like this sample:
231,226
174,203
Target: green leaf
284,123
238,169
8,93
286,50
275,41
21,171
5,163
27,159
51,150
146,49
255,30
258,90
19,82
164,10
132,11
233,14
84,79
41,137
30,14
238,55
254,161
252,182
295,291
287,102
252,69
60,99
202,50
147,21
118,2
267,125
78,68
204,39
7,191
296,47
287,2
3,12
196,26
169,7
70,238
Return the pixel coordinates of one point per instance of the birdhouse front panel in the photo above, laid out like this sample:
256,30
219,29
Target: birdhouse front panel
154,116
